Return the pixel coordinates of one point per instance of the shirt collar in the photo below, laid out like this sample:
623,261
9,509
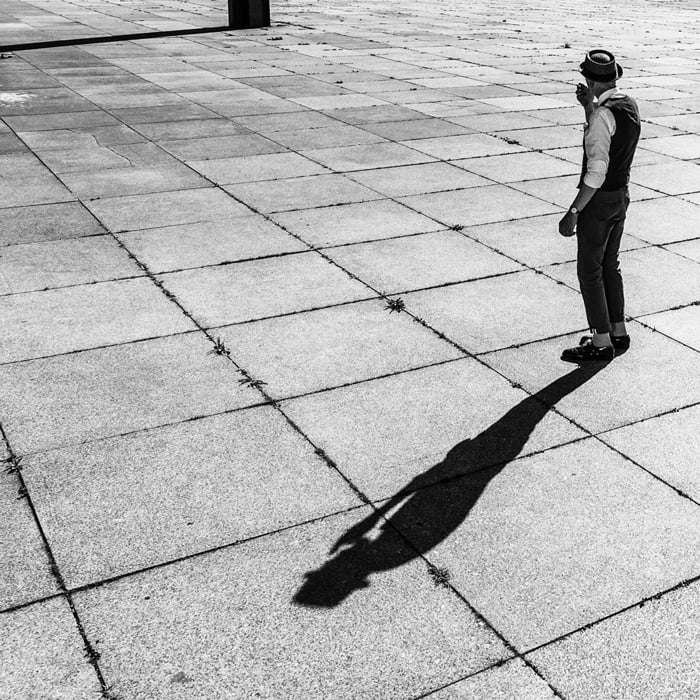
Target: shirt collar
607,95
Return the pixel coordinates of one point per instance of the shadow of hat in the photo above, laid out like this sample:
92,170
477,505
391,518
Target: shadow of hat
600,65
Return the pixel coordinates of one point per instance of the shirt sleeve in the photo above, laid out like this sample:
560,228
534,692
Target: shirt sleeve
596,141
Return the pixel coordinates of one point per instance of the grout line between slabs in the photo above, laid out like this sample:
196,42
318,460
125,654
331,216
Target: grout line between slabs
90,652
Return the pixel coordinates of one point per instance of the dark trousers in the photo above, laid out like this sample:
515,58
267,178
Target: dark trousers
599,231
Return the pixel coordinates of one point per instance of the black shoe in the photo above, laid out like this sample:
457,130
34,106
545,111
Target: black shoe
587,352
621,343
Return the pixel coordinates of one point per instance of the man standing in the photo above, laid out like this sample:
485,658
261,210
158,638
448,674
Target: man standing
597,214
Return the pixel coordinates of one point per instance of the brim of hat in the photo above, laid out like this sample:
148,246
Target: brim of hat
601,78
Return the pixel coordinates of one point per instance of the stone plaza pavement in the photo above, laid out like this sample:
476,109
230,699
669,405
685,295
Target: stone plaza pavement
281,310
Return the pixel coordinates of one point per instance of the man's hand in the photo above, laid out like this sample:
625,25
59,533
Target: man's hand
567,225
584,96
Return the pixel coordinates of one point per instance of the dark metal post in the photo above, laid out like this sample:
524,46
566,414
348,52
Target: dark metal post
248,14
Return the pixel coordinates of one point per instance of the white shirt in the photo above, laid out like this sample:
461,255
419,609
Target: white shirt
596,140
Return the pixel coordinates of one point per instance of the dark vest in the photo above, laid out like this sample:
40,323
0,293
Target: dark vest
622,144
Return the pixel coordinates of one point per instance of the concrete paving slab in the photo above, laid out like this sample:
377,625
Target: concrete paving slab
463,146
679,177
159,209
655,279
414,97
511,681
294,193
642,379
190,128
516,167
479,205
416,428
320,349
417,179
557,190
683,146
209,243
416,636
267,124
34,266
673,460
168,113
407,129
663,220
273,166
9,143
679,324
593,534
325,137
270,105
48,140
262,288
354,223
85,396
46,222
26,573
43,654
121,504
220,147
415,262
144,154
646,651
86,316
686,122
688,249
524,103
26,191
23,165
367,157
118,182
337,101
497,312
373,115
89,157
503,121
543,137
43,101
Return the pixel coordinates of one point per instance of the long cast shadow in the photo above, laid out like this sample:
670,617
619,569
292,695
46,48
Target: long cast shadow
434,503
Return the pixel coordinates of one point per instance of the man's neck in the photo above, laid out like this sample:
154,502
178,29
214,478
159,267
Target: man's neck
605,94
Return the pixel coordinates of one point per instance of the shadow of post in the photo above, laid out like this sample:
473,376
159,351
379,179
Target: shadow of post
433,504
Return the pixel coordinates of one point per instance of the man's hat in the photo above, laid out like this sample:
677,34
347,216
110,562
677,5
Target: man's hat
600,65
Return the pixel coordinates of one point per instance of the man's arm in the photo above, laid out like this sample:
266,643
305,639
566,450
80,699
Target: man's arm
601,126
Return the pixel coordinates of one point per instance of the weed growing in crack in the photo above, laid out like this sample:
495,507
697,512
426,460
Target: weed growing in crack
512,142
220,349
110,694
440,577
92,655
249,381
457,227
395,305
13,465
22,492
